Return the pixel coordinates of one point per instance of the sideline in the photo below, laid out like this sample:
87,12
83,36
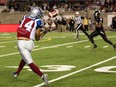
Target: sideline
78,71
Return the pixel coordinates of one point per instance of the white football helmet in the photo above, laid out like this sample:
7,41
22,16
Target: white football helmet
77,13
36,12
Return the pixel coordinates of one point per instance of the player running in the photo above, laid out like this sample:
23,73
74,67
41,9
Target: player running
29,30
80,26
99,30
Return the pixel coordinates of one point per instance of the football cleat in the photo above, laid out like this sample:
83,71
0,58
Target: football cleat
45,79
94,46
114,46
77,38
14,74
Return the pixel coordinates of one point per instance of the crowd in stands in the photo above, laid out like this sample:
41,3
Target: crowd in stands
68,5
63,24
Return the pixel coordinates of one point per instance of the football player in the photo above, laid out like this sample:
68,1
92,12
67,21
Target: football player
28,31
99,30
80,26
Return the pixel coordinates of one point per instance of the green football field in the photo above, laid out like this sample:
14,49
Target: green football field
68,62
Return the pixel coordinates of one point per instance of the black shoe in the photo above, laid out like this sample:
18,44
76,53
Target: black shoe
94,46
114,46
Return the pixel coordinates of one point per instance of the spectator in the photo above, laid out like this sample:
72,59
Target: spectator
50,22
71,24
59,24
12,10
64,24
114,23
85,23
56,24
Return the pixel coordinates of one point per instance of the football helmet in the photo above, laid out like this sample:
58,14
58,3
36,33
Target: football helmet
97,14
36,12
77,13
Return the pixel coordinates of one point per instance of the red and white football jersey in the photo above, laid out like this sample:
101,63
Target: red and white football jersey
28,27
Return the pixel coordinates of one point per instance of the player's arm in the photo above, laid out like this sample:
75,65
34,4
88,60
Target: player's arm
98,24
39,34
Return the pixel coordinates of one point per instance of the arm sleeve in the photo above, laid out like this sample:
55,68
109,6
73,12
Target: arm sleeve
39,24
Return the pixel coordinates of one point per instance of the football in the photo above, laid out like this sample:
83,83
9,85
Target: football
53,13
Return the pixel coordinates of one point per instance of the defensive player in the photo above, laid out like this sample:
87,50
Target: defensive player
80,26
29,30
99,30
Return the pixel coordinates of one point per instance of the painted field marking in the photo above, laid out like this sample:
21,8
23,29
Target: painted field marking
105,69
15,46
87,46
105,46
2,46
7,41
78,71
45,39
52,46
5,34
59,45
49,68
10,54
42,48
34,46
69,46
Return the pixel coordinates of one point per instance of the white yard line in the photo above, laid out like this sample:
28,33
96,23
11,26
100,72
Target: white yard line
45,47
48,38
9,54
78,71
7,41
51,46
67,75
87,46
2,46
69,46
105,46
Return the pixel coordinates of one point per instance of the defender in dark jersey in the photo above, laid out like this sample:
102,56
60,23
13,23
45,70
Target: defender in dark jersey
99,30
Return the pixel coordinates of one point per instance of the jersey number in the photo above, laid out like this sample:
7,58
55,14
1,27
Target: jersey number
28,25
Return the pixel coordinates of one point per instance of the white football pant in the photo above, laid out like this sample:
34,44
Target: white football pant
25,48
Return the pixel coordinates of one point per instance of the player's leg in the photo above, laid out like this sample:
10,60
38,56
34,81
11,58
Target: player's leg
85,32
21,65
103,35
34,67
22,62
91,36
77,31
29,45
25,48
77,34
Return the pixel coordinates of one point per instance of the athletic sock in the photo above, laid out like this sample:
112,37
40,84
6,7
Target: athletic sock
35,69
21,65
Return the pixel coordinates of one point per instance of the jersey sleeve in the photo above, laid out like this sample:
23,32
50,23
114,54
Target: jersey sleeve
39,24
